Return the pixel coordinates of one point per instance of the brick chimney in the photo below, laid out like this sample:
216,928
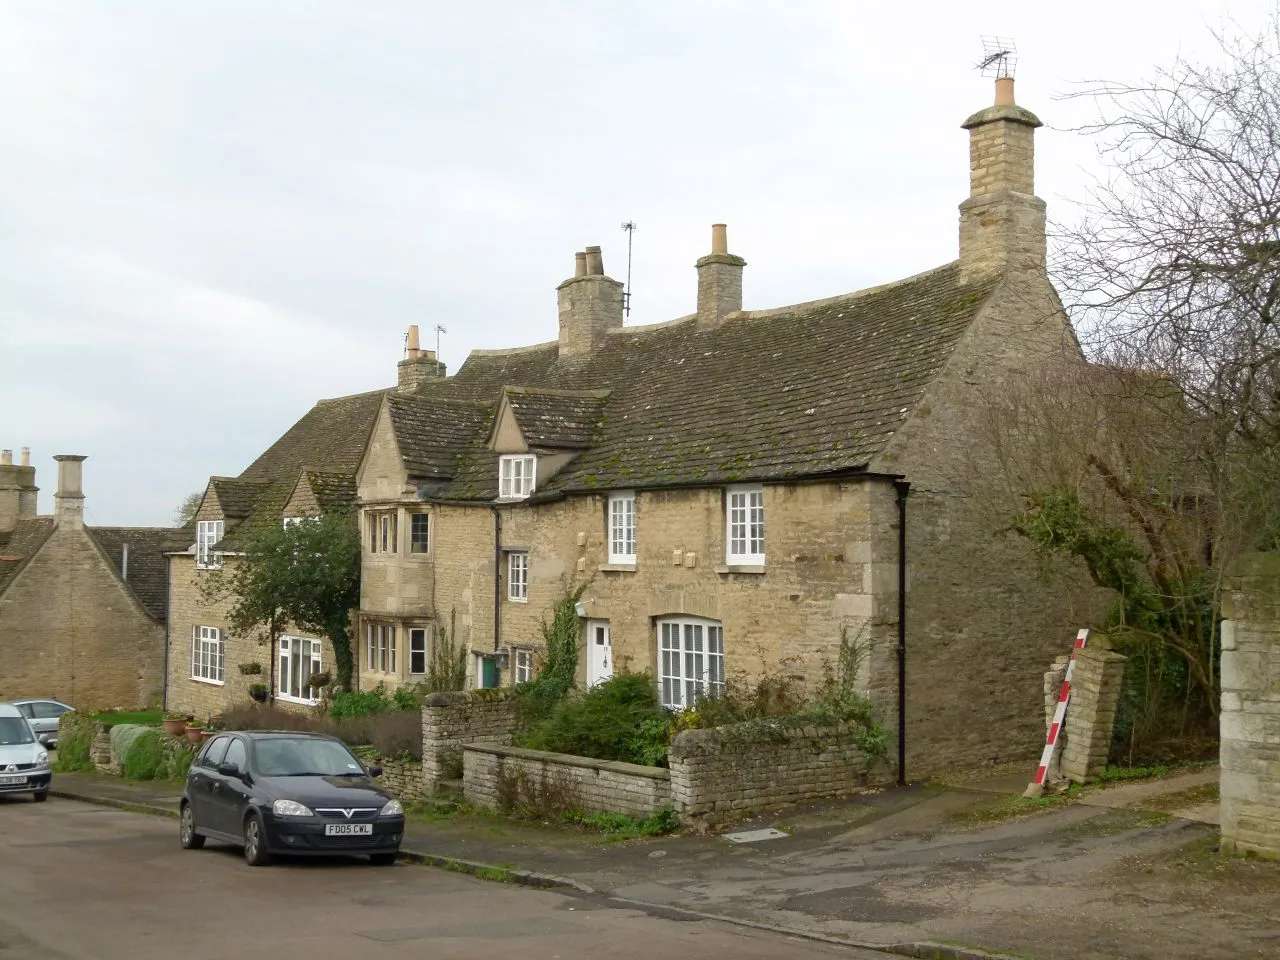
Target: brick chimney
719,280
68,502
418,366
17,489
1002,224
590,305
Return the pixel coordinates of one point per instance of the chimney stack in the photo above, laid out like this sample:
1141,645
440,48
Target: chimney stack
1002,224
590,305
719,280
419,366
17,490
68,502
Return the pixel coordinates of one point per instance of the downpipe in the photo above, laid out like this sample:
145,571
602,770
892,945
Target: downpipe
902,488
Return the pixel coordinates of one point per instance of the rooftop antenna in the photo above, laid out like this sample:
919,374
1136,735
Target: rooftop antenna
439,330
630,227
999,57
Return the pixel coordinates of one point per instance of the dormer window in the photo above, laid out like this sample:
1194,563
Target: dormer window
516,476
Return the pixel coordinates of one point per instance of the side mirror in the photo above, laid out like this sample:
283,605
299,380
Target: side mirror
375,771
229,769
45,740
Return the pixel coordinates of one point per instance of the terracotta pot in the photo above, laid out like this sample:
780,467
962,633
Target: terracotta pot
175,727
195,734
206,734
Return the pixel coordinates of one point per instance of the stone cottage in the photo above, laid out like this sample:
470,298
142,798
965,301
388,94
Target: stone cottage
82,608
736,490
308,471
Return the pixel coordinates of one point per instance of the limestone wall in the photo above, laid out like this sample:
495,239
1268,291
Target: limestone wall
1250,717
510,778
729,771
1091,715
451,720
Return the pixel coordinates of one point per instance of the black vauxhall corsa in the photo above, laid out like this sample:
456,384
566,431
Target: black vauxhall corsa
288,793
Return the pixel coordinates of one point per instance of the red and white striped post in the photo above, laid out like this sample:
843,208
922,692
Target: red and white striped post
1036,787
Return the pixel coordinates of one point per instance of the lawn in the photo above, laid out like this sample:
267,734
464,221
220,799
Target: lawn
146,718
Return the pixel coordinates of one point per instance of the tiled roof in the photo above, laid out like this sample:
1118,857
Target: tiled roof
236,496
334,491
148,570
19,545
329,440
808,390
558,419
433,431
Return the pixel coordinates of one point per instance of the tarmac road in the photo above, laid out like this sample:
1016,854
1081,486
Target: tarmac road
83,881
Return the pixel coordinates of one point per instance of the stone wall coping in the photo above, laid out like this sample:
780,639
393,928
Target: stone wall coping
701,740
457,698
569,760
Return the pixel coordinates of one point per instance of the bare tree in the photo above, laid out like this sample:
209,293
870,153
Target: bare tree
186,511
1174,265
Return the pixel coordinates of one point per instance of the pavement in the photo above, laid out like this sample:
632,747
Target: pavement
86,882
1126,871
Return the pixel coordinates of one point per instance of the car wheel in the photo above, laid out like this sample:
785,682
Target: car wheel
40,796
255,842
187,830
382,859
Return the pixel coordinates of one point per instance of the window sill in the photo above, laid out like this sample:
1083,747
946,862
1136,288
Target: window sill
752,568
612,567
212,683
300,701
517,599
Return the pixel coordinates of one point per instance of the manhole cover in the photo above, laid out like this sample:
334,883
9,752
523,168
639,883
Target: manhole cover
755,836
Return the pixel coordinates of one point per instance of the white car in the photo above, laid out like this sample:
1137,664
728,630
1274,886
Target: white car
24,760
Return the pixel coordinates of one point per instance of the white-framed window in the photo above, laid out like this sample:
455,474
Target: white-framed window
299,661
622,528
690,660
417,650
380,647
208,533
518,576
516,476
207,655
382,528
524,666
744,526
291,521
419,533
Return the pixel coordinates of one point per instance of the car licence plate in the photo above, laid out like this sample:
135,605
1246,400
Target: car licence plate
348,829
11,781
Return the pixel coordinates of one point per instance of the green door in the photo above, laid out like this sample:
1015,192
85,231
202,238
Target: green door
489,672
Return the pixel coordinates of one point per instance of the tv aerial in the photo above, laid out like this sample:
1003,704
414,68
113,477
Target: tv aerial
999,57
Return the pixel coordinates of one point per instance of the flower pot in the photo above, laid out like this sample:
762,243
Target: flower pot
174,728
195,734
206,733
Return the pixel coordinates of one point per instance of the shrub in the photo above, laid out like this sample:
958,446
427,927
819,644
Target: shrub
358,703
447,666
75,738
141,751
605,722
394,733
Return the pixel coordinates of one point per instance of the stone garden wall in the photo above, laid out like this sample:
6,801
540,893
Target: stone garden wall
511,778
761,765
451,720
1250,717
1096,684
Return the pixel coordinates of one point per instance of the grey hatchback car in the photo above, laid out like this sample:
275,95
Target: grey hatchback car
43,716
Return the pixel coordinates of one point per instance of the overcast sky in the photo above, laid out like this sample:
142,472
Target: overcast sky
213,214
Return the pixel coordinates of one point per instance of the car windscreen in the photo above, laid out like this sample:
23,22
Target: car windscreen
14,730
301,757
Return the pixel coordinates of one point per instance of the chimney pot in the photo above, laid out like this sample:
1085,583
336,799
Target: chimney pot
595,262
412,343
580,264
1004,91
26,456
6,457
719,238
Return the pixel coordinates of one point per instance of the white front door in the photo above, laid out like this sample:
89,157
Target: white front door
599,652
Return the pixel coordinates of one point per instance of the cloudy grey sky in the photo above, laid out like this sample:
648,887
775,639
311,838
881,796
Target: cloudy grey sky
213,214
